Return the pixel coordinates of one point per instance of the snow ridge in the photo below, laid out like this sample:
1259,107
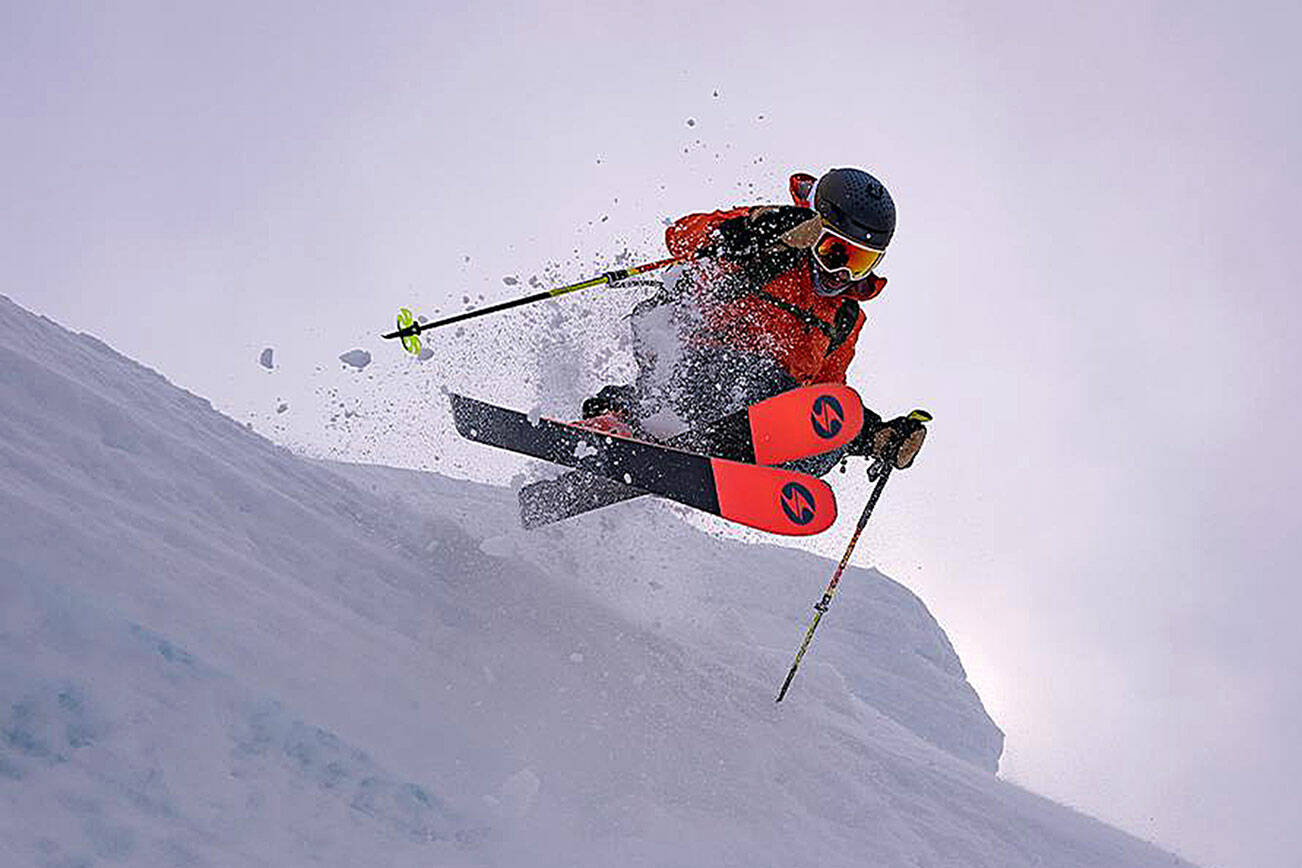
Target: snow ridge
217,652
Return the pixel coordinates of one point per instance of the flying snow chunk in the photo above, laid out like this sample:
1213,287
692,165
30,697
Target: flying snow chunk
356,358
510,280
583,450
265,358
425,354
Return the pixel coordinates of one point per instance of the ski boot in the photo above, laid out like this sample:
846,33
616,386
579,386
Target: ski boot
611,410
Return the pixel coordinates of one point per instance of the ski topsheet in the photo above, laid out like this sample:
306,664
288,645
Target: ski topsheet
765,498
809,420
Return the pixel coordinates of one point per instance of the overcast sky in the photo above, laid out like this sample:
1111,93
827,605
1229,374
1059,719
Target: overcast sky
1089,287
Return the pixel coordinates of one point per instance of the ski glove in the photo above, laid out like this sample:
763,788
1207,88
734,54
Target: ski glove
763,243
764,228
805,235
897,441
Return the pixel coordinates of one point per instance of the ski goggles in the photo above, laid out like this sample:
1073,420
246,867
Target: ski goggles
836,253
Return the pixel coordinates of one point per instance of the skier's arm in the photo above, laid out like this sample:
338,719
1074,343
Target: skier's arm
688,236
762,233
740,235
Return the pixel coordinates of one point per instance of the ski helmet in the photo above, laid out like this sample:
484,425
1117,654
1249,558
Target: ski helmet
857,205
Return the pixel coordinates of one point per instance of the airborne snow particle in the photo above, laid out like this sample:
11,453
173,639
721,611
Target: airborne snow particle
691,122
282,407
425,354
265,358
356,359
510,280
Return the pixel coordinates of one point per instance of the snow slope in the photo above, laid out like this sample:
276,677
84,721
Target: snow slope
216,652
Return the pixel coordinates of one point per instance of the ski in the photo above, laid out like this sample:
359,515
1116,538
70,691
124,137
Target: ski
805,421
766,498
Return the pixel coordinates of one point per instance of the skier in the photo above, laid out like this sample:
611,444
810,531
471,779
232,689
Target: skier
769,300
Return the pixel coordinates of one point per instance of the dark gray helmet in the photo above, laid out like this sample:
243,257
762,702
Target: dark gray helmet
856,204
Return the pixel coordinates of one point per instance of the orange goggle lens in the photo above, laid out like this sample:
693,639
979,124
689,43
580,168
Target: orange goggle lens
835,254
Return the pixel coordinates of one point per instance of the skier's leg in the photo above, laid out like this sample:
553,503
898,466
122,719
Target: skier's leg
711,381
658,329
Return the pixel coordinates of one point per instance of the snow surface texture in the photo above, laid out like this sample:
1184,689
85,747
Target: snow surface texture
216,652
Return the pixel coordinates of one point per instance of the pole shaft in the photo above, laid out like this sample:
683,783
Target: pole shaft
607,278
826,601
470,314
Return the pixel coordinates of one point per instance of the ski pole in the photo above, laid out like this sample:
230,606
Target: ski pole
882,472
407,328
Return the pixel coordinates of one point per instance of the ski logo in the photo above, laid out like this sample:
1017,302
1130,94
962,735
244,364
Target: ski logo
827,417
797,503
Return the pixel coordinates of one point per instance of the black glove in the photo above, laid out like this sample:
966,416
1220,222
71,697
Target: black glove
765,242
760,230
896,441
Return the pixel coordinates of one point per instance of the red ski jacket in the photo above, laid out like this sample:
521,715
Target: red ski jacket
812,336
